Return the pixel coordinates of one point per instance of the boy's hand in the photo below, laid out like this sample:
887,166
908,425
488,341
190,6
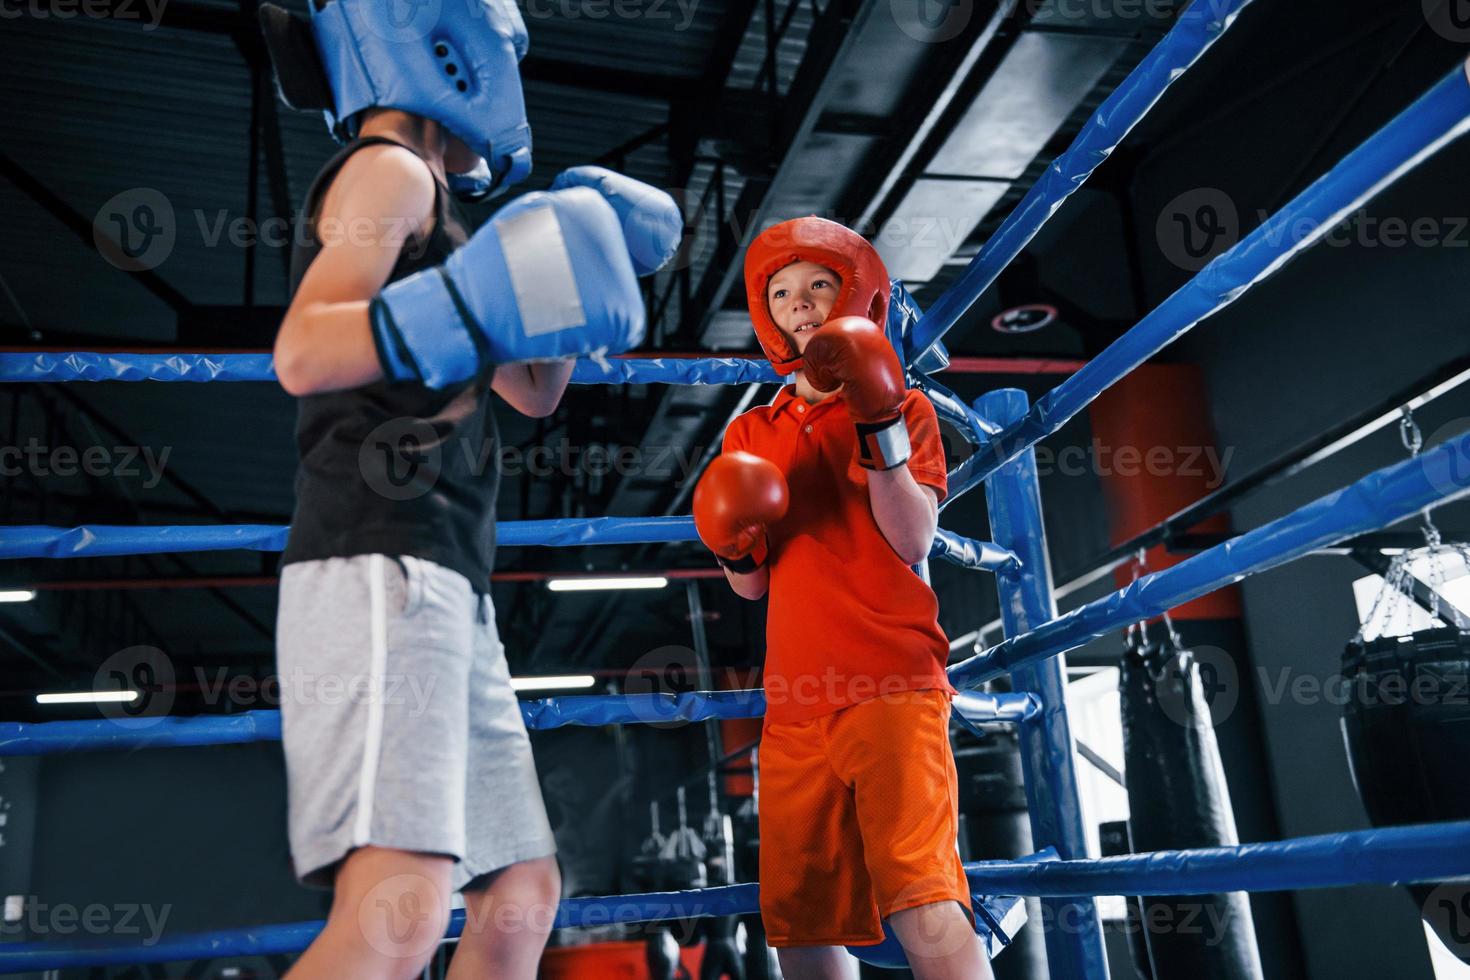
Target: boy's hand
852,352
738,497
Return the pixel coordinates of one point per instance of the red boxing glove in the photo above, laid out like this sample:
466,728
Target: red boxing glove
739,495
851,351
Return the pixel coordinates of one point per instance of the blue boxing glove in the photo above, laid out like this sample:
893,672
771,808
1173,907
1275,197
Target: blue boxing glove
547,277
652,224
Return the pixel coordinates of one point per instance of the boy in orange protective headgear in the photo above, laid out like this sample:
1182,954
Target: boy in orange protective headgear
825,499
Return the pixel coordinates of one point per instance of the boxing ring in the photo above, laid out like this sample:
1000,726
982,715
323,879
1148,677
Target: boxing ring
1004,430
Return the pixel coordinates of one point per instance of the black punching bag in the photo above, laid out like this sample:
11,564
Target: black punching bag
993,803
1406,722
1113,841
1178,798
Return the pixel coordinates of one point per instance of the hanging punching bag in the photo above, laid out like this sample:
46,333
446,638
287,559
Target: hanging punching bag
1406,722
1178,798
993,802
1113,842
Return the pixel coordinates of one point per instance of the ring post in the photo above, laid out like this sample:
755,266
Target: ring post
1074,944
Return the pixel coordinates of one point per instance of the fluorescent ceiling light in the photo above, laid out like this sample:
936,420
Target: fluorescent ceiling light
17,595
87,697
552,683
595,583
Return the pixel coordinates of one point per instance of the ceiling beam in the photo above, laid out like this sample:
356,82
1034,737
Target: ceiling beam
83,230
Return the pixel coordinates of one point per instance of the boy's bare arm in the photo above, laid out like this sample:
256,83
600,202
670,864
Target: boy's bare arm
381,196
907,512
535,388
752,585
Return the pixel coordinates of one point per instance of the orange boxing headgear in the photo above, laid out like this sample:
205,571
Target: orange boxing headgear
865,287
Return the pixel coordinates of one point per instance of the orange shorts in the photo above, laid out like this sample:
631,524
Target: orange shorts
859,818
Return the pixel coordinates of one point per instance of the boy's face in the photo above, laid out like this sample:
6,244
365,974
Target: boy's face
800,296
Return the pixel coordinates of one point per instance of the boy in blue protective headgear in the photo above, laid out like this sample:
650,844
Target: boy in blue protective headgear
409,770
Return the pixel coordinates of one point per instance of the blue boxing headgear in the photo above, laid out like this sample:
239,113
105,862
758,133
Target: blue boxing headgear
452,61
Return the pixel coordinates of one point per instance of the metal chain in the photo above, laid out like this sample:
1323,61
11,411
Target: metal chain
1135,639
1409,433
1390,592
1398,581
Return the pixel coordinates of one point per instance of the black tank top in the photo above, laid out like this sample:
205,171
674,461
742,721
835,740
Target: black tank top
396,467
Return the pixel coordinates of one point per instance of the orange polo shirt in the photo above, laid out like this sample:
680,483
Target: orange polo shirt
848,620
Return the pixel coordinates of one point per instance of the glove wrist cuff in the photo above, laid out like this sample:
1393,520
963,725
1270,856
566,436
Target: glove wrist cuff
883,445
748,563
423,332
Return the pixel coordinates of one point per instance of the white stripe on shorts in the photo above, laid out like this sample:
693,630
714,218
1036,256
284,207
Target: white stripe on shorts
367,780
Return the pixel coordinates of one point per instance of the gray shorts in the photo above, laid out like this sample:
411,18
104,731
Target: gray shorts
400,726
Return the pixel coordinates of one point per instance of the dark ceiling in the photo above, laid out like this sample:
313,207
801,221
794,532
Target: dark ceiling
920,124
